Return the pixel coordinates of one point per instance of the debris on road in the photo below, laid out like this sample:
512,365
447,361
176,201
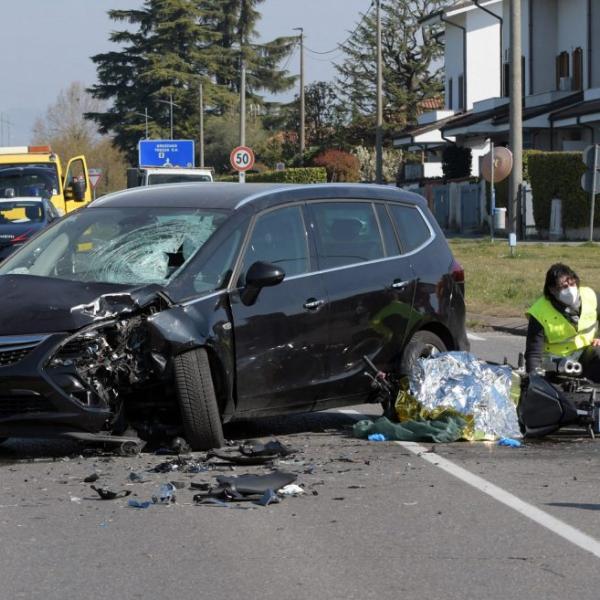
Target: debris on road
166,494
509,442
291,489
449,397
252,453
106,494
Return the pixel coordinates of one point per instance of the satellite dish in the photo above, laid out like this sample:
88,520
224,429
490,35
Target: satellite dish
503,163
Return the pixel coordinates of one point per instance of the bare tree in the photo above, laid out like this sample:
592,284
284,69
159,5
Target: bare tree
69,133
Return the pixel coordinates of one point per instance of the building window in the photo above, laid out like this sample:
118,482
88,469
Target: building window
577,59
506,81
461,92
562,68
450,94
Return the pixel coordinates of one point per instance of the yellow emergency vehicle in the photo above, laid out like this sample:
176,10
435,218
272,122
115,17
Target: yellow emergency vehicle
27,171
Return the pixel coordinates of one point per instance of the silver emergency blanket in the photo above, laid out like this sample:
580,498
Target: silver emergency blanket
459,381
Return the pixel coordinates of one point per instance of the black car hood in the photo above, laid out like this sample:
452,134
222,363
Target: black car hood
30,304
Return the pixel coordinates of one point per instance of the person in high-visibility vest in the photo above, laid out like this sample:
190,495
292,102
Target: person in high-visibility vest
564,323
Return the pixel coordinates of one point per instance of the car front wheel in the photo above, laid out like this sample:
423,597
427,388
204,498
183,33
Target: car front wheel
197,400
421,345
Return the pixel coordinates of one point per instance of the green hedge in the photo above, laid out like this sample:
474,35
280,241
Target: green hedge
558,175
301,175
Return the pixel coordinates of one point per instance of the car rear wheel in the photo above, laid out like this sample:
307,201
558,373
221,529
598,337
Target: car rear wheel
421,345
197,401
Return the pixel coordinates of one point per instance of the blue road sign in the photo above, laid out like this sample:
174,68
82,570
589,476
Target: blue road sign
166,153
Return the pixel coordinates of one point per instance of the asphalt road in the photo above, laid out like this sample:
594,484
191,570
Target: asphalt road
378,520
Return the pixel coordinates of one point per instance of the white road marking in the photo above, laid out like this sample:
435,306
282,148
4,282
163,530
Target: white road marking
474,337
564,530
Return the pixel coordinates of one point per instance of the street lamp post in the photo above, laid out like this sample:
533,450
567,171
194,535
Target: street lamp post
146,118
379,126
516,117
171,105
242,174
302,100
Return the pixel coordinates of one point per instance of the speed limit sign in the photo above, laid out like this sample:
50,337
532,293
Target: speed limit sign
242,158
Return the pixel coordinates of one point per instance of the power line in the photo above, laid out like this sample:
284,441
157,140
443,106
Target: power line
338,46
291,55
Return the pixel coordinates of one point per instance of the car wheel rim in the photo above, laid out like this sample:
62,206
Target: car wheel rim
429,350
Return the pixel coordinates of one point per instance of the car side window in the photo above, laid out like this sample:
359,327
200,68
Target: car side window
279,237
217,268
412,228
387,229
346,233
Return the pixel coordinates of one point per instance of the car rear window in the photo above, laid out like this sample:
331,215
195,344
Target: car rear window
412,228
346,233
389,236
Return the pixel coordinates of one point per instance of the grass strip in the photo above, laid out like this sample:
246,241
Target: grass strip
502,285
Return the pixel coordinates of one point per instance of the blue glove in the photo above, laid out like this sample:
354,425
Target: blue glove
509,442
377,437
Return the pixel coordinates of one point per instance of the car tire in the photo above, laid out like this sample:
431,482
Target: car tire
421,345
197,400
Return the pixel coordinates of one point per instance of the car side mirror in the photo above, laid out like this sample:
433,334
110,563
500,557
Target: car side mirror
260,274
76,191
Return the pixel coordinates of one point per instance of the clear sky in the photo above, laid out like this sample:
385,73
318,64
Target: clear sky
45,45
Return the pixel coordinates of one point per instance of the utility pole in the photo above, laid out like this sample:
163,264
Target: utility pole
516,117
302,104
242,174
201,116
379,126
171,106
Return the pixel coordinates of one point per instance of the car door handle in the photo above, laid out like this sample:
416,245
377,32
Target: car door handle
399,285
313,304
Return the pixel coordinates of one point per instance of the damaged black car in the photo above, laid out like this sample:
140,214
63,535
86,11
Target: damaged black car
175,309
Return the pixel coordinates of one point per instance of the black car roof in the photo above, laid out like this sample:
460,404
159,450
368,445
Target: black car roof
230,196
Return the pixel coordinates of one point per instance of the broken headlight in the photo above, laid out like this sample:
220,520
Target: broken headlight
96,364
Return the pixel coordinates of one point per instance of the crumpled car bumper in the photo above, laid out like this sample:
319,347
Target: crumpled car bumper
36,400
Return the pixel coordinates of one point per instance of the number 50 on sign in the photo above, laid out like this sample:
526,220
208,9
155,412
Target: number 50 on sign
242,158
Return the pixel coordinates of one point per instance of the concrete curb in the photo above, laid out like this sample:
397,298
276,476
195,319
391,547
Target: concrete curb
512,325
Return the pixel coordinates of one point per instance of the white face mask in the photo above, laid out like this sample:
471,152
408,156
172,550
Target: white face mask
569,295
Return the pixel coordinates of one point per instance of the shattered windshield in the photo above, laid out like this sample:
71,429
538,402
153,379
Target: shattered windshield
117,245
28,179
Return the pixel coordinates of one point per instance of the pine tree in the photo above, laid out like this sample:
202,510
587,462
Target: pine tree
411,65
173,46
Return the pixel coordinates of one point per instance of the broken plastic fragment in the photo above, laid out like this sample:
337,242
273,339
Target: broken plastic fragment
202,501
166,494
252,453
136,478
269,497
291,490
107,494
137,504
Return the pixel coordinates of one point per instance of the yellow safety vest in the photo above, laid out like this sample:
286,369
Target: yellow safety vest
561,336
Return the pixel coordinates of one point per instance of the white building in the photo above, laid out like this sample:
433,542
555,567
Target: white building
561,78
